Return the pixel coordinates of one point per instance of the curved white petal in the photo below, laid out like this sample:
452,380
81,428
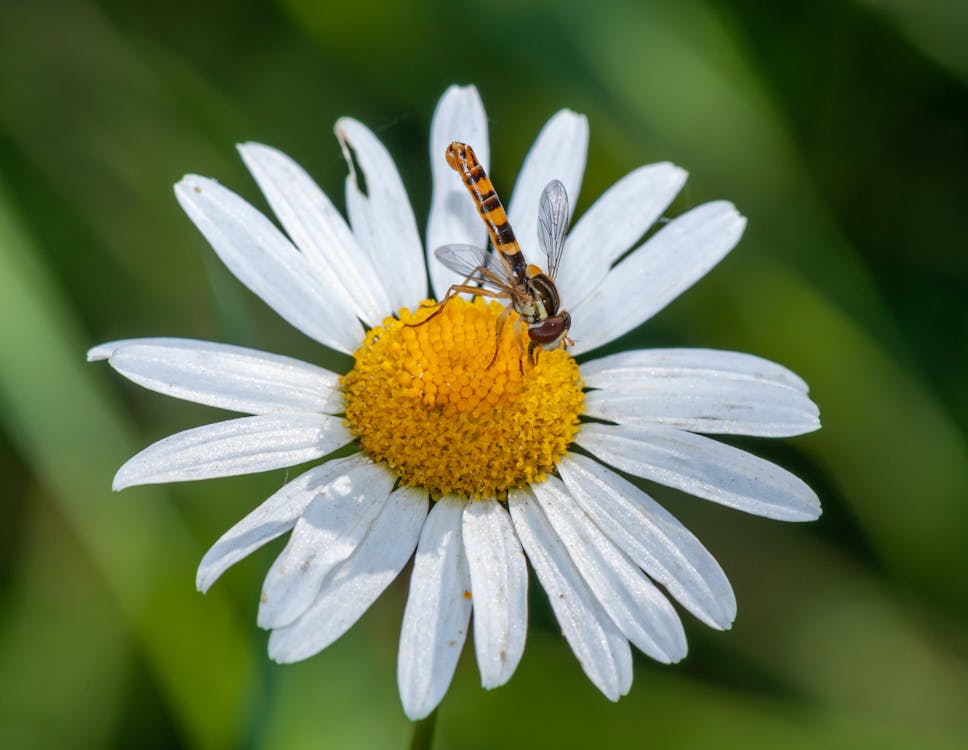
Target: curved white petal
238,446
268,264
652,538
358,582
326,534
636,606
656,273
627,368
558,153
614,223
703,467
453,218
381,217
437,612
273,518
601,649
318,229
701,400
224,376
499,588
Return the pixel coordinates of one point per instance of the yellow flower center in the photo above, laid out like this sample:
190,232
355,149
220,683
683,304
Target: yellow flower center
429,402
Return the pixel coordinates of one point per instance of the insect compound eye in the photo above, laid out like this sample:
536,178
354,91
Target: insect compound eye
548,333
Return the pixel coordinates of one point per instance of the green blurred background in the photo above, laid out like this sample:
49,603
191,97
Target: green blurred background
838,128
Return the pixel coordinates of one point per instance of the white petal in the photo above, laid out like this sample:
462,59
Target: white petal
356,583
237,446
633,602
227,377
437,612
499,588
382,218
326,534
268,264
271,519
625,368
559,152
652,538
656,273
700,399
601,649
703,467
453,217
615,222
319,230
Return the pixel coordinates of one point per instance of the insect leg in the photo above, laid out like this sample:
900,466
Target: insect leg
534,351
499,324
518,331
464,286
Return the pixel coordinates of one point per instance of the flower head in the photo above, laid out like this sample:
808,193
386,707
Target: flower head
466,454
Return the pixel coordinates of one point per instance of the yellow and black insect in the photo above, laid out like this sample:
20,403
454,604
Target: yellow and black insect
504,274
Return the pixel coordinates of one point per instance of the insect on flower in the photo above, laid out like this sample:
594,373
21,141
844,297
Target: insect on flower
472,472
504,274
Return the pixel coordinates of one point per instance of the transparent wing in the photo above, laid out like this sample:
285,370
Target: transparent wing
553,217
473,263
465,260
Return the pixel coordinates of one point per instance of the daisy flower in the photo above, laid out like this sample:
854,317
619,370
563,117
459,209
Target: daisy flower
467,461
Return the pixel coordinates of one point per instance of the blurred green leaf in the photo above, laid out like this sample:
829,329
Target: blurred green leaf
826,629
937,27
102,130
46,700
74,437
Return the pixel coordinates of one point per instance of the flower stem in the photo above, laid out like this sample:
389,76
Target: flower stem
423,732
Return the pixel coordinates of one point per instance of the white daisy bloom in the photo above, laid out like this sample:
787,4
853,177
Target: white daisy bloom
466,457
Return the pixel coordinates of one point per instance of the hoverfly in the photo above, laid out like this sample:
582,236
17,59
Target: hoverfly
504,274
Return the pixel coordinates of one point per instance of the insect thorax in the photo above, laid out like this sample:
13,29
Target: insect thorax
542,301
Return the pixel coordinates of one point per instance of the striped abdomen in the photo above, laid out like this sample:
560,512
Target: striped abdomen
462,159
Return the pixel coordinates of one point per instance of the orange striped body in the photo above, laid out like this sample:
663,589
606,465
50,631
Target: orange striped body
463,160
